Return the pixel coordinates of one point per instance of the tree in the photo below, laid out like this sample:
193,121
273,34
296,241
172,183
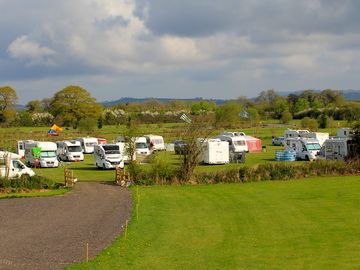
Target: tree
286,117
8,99
228,114
72,104
267,96
309,123
202,107
279,106
324,121
301,105
34,106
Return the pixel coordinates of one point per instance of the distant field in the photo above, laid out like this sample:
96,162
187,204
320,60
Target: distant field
304,224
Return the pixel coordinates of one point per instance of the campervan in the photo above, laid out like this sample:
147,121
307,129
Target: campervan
236,143
107,156
47,154
124,148
233,133
21,147
87,144
69,151
155,142
345,132
141,146
213,151
292,133
336,148
320,136
12,167
305,148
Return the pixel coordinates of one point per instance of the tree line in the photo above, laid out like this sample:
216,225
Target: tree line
74,107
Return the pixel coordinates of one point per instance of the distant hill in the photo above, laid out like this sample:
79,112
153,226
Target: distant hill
163,100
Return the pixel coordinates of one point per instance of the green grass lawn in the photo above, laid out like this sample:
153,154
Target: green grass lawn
47,193
305,224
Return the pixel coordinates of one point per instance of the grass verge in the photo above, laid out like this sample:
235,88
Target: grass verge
46,193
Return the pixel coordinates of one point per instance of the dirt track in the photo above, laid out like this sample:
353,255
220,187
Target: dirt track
52,232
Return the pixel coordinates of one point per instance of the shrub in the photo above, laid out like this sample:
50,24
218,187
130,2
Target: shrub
27,182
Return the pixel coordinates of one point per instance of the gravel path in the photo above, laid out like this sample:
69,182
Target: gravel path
52,232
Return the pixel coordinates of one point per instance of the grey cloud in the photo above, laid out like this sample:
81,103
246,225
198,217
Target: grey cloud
115,21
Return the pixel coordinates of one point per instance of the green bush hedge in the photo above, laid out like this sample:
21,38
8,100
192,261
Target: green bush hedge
27,182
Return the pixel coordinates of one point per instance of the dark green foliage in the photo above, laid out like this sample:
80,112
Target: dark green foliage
27,182
87,125
324,121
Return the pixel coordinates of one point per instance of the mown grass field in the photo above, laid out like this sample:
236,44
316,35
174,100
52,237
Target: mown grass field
43,193
303,224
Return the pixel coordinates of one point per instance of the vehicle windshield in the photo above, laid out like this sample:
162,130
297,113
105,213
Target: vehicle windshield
313,146
141,145
239,143
48,154
111,149
90,144
74,148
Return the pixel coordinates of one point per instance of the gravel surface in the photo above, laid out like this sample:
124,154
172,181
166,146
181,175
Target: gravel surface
52,232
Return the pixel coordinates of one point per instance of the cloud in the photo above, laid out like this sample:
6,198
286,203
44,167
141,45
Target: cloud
24,49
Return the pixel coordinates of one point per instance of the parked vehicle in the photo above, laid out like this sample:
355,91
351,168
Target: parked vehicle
180,147
21,147
213,151
141,146
236,143
87,144
102,140
12,167
292,133
336,148
305,148
69,151
278,141
345,132
155,142
108,156
320,136
47,154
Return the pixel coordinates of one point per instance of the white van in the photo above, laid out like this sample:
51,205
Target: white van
12,167
107,156
155,142
141,146
236,143
293,133
21,147
306,149
87,144
48,158
213,151
69,151
320,136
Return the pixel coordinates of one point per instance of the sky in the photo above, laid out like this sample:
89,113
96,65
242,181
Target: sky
178,49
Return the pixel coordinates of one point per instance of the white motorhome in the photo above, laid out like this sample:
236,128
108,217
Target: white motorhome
155,142
12,167
124,148
87,144
141,146
21,147
292,133
47,159
305,148
320,136
69,151
233,133
108,156
236,143
344,132
213,151
336,148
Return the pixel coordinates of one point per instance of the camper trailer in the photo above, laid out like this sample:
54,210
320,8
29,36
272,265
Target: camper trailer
87,144
155,142
344,132
305,148
21,147
213,151
320,136
336,148
236,143
292,133
12,167
47,154
107,156
69,151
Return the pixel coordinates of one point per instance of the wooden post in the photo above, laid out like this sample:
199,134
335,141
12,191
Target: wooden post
87,252
126,227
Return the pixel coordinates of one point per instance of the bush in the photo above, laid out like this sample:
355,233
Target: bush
27,182
87,124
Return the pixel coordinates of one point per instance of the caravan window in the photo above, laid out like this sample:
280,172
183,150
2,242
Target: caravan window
141,145
111,149
90,144
239,143
48,154
313,146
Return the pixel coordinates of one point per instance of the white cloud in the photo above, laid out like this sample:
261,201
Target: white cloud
24,49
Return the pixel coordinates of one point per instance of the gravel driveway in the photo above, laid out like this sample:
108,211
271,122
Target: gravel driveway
52,232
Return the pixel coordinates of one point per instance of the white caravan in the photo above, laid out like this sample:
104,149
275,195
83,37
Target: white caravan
12,167
236,143
213,151
21,147
69,151
233,133
107,156
292,133
155,142
336,148
344,132
87,144
320,136
306,149
47,158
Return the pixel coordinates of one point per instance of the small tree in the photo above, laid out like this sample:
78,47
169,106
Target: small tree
324,121
309,123
286,117
8,99
87,125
